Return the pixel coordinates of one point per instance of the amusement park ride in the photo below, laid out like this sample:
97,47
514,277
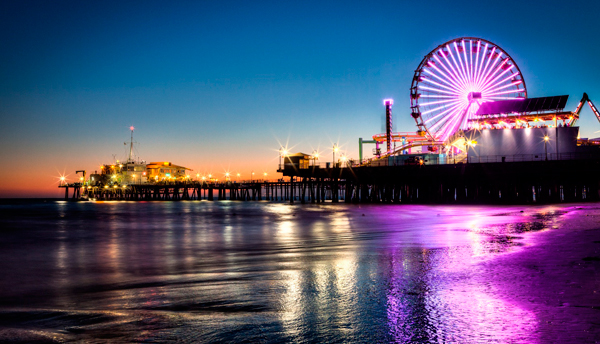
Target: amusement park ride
469,83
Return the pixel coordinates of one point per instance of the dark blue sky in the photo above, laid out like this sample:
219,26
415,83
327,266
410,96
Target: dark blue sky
216,85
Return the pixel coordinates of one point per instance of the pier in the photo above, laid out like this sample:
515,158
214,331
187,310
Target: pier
313,191
525,182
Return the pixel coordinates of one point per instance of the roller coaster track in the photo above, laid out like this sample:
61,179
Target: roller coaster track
368,162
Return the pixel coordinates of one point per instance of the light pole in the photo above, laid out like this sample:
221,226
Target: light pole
283,153
546,138
280,155
469,143
335,149
265,174
251,176
226,176
238,177
315,157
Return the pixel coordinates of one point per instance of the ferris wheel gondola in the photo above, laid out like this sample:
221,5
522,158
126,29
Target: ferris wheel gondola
455,78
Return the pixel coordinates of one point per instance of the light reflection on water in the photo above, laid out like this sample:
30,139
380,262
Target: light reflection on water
227,271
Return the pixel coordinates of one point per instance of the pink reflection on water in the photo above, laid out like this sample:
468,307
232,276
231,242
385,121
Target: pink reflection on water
436,295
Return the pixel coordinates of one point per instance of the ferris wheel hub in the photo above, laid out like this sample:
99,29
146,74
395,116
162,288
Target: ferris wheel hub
474,96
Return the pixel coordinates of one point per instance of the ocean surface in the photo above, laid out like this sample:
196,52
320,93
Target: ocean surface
261,272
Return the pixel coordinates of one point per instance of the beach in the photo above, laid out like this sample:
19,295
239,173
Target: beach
270,272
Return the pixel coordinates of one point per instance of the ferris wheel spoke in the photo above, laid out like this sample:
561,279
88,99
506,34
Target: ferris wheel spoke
435,96
442,132
488,58
454,91
485,86
435,109
456,73
502,82
461,63
439,102
472,111
437,90
478,74
497,86
456,64
466,63
487,71
497,73
446,79
491,73
453,126
451,75
443,112
506,98
477,53
471,66
500,93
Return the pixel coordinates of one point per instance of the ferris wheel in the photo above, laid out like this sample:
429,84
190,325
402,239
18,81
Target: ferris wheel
455,78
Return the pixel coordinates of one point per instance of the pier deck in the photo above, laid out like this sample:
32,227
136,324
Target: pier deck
510,183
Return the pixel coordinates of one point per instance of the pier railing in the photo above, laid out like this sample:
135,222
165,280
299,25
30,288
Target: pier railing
462,158
532,157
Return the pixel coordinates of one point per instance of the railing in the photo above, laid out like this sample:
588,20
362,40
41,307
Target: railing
533,157
403,160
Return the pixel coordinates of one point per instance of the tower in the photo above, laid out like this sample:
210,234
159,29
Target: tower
388,122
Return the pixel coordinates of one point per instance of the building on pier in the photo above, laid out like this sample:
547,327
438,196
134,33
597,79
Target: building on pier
164,171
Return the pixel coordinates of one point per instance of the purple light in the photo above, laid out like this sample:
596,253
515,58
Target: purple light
451,76
460,75
388,101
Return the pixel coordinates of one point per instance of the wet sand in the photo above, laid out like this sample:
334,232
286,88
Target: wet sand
556,275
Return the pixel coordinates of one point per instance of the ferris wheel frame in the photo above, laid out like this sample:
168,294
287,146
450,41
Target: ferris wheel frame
459,84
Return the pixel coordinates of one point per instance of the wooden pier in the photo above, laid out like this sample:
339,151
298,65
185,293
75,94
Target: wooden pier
256,191
473,183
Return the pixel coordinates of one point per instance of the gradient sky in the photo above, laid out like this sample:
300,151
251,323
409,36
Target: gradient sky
217,86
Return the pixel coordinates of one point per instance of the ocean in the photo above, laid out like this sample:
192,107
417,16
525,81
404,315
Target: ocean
265,272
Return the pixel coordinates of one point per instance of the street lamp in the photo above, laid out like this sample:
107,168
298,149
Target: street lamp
226,176
265,174
335,150
343,158
469,143
282,154
315,157
238,177
546,138
252,176
62,180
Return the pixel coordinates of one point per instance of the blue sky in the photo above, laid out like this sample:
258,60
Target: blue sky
216,86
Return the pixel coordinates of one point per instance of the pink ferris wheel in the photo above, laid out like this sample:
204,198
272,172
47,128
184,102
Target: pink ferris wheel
455,78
